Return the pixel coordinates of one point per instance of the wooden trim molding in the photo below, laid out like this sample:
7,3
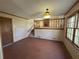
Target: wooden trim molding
51,28
5,17
13,15
72,6
51,19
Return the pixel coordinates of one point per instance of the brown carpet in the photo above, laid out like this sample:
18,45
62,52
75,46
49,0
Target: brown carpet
34,48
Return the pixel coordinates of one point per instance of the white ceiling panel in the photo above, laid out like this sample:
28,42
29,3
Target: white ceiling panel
35,8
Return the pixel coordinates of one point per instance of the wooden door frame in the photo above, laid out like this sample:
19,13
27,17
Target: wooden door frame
1,17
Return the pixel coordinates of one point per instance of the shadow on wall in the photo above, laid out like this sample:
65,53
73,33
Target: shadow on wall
21,28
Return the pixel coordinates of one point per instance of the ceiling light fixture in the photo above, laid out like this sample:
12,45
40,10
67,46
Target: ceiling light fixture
47,14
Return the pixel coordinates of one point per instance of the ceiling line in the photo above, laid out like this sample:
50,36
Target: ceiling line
14,15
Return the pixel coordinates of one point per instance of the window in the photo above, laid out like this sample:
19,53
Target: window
58,23
73,29
50,23
46,23
37,24
70,27
76,40
42,23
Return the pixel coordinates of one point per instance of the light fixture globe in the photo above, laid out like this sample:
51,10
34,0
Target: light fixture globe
47,14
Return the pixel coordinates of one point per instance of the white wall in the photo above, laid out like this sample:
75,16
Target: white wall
49,34
20,26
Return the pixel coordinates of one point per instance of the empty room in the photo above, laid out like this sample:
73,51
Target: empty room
39,29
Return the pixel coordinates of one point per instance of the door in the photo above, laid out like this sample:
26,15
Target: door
6,30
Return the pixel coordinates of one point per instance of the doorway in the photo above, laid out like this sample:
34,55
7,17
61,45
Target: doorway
6,31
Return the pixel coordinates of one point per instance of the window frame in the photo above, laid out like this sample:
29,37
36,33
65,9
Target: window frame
50,24
70,27
77,15
74,29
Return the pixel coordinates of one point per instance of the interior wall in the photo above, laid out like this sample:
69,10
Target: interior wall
74,51
20,26
49,34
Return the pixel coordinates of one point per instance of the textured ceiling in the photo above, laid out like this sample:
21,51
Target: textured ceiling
35,8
